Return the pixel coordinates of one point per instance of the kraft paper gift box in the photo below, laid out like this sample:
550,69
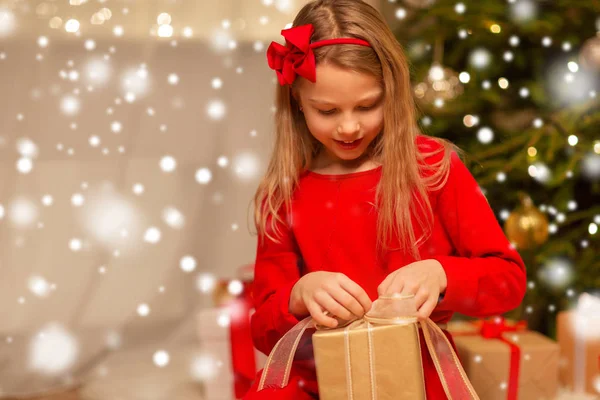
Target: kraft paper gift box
578,334
396,354
376,357
214,332
505,361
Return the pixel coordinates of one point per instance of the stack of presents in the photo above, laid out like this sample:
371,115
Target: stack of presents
500,359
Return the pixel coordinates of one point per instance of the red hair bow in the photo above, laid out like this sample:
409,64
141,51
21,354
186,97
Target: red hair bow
297,57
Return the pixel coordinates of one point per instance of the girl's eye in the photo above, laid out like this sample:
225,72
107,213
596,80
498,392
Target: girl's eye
326,112
332,111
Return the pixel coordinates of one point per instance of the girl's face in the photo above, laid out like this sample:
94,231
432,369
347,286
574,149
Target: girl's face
343,111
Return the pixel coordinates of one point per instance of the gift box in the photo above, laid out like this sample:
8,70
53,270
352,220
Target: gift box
578,334
505,361
344,358
226,338
565,394
215,334
375,357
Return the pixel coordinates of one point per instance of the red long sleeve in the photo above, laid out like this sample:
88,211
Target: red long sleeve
276,272
485,275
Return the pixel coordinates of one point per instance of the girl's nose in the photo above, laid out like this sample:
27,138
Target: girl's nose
348,127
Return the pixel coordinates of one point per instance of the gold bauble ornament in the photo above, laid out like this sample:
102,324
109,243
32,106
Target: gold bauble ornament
589,55
526,226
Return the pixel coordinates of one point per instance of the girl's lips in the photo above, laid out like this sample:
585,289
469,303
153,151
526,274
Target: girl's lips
349,146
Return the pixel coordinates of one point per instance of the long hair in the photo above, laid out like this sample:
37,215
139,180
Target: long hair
406,177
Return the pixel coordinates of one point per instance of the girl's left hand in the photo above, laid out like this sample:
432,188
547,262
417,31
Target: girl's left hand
425,279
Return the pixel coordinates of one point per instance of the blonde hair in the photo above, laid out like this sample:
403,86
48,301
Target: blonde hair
406,177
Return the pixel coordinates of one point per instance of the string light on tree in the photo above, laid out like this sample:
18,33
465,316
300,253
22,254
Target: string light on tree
523,10
470,120
540,172
442,84
480,58
546,41
557,273
590,166
573,140
485,135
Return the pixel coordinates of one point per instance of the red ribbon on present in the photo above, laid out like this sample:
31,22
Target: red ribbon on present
243,359
493,329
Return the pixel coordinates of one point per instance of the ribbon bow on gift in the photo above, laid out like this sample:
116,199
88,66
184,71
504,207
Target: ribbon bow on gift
387,310
297,57
494,328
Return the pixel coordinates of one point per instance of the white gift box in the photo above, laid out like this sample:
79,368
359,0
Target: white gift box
215,346
566,394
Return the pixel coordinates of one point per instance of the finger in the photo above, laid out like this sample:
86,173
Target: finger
318,314
347,301
396,285
358,293
427,308
326,301
411,288
421,297
383,286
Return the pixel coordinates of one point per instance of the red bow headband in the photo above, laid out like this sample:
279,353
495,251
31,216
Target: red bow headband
297,57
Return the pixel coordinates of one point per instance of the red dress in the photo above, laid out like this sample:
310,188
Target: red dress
332,227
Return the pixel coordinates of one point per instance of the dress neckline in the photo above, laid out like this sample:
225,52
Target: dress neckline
343,176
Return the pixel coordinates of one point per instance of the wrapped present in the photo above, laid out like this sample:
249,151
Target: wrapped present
505,361
578,334
236,361
226,337
378,356
565,394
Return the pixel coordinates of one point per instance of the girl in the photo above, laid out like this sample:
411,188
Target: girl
356,203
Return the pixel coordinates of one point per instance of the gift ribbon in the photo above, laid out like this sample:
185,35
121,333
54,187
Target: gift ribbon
243,358
494,329
454,380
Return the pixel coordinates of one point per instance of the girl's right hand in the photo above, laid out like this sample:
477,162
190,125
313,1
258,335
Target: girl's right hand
325,295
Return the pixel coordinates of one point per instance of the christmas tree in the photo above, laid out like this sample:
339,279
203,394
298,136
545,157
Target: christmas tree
514,84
